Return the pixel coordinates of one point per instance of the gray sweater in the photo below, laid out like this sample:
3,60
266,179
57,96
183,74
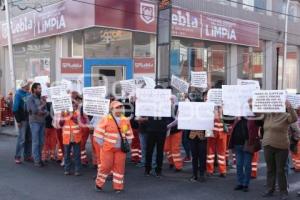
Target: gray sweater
37,111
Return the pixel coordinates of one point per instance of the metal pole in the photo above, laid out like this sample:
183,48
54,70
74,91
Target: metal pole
10,47
285,41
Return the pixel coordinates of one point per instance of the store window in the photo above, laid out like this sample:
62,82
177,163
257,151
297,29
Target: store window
255,5
144,45
107,43
193,55
72,45
253,62
35,58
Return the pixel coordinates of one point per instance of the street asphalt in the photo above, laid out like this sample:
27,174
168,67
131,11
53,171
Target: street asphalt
26,182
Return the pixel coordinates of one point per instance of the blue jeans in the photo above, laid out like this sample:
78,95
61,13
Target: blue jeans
243,165
37,132
76,154
24,141
143,143
186,143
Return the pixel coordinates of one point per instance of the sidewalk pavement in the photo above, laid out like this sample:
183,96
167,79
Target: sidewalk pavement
9,131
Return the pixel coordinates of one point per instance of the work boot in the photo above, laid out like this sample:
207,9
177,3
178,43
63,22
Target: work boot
239,187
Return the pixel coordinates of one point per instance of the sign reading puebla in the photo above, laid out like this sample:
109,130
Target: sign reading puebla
55,19
201,25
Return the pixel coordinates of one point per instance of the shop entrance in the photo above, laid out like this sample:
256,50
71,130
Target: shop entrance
107,72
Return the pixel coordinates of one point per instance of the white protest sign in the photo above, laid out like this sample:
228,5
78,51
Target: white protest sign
67,84
269,101
95,106
215,96
61,104
153,102
43,80
249,82
235,99
55,91
179,84
199,79
128,86
98,92
150,83
196,115
294,99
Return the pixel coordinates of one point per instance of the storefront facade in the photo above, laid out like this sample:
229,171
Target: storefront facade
119,41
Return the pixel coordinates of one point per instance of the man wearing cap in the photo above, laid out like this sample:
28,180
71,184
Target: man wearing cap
21,115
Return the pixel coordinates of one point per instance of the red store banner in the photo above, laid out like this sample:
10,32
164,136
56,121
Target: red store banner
144,65
71,65
55,19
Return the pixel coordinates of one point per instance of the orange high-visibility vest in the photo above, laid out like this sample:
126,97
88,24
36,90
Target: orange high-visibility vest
71,130
108,134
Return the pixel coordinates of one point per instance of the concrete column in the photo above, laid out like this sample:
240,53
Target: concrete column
58,54
2,71
270,69
233,65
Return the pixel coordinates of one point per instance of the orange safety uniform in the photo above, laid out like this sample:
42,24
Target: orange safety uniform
296,159
254,164
136,152
49,147
85,131
59,138
70,132
172,149
217,144
112,157
3,111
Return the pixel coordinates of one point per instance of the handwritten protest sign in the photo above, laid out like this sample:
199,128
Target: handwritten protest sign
66,84
235,99
215,96
179,84
199,79
43,80
61,103
153,102
150,83
249,82
269,101
98,92
195,115
294,99
96,106
128,86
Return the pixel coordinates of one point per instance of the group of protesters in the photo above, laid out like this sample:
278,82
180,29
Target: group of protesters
6,113
45,136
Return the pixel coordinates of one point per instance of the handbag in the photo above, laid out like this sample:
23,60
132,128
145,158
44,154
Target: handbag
252,148
125,146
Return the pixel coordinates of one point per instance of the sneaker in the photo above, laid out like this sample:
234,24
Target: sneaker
66,173
62,164
18,161
268,194
38,164
239,187
77,174
246,189
187,159
98,189
157,174
147,173
193,179
29,159
140,165
223,175
118,191
298,194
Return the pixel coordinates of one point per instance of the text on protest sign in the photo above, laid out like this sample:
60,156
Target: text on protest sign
294,99
96,106
128,86
179,84
199,79
94,92
195,115
269,101
150,83
61,104
235,99
43,80
249,82
215,96
153,102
